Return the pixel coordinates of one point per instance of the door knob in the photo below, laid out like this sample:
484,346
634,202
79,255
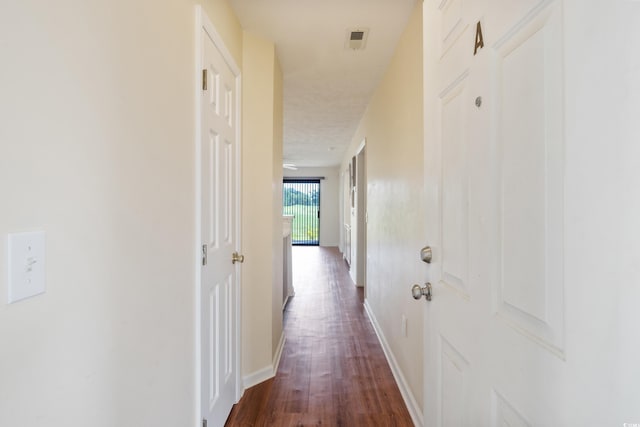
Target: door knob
419,292
237,258
426,254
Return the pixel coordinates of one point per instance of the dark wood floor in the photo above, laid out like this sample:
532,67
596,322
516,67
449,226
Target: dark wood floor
333,371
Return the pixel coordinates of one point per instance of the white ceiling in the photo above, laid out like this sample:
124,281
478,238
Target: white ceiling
326,86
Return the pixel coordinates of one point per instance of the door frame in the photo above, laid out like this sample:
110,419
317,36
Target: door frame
306,181
361,216
204,25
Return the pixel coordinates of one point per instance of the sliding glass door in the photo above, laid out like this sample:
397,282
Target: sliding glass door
301,199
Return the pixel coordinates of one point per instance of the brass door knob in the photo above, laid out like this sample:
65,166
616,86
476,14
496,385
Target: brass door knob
237,258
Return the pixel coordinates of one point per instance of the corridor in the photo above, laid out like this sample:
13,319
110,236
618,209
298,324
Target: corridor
333,371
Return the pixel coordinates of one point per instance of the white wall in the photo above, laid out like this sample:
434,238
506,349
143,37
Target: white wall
393,128
602,207
329,201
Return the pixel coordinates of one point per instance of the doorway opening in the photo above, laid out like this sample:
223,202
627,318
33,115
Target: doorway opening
301,200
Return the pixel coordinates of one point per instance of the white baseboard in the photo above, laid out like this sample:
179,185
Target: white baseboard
407,395
284,304
278,355
257,377
267,372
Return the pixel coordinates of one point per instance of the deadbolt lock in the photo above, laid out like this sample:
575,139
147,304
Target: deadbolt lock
426,254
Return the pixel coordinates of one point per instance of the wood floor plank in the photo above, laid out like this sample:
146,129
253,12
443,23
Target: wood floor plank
333,371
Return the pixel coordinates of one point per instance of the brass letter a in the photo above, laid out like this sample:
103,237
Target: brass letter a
479,39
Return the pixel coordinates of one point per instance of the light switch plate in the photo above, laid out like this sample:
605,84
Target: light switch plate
26,265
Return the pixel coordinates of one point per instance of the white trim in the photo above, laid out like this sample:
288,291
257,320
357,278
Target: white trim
407,395
198,219
363,143
217,40
267,372
284,304
361,218
257,377
204,23
278,355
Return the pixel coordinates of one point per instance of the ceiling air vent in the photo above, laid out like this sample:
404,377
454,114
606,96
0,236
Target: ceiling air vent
356,38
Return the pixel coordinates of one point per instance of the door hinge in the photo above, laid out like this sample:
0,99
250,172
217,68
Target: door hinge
204,422
318,214
204,254
204,79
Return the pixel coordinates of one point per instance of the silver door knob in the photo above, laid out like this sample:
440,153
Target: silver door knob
237,258
418,292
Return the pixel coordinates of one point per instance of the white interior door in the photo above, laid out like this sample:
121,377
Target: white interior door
219,290
500,346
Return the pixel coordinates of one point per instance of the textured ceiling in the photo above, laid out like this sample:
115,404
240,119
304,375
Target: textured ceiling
326,85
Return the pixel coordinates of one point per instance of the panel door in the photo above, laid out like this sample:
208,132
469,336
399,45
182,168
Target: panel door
494,188
219,218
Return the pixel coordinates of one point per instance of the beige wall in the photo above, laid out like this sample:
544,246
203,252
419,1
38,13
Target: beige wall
262,199
227,25
393,129
276,207
97,150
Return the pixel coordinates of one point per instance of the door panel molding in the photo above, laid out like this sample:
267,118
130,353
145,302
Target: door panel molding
504,413
452,24
453,385
454,203
529,295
